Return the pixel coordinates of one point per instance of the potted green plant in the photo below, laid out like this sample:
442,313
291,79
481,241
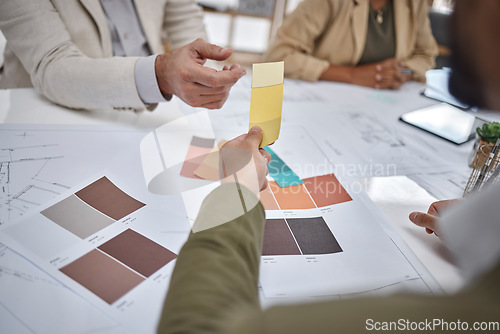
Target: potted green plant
489,132
487,135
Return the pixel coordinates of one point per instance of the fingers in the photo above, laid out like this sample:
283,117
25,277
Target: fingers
217,104
233,67
235,141
389,83
211,78
208,91
397,75
235,156
211,51
407,77
254,137
389,63
406,72
198,95
387,75
264,185
428,221
181,73
265,154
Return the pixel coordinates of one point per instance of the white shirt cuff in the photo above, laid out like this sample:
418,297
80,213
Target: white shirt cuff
145,81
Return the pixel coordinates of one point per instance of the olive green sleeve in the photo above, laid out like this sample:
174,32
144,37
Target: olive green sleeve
217,269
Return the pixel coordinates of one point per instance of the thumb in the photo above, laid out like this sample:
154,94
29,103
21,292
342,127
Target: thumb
211,51
254,137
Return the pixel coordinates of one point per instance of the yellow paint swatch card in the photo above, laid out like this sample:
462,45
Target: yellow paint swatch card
266,101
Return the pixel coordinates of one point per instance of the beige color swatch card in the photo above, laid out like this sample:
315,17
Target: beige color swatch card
266,100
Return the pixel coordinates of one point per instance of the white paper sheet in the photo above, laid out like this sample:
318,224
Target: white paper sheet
369,260
444,185
373,257
52,248
33,301
164,150
38,164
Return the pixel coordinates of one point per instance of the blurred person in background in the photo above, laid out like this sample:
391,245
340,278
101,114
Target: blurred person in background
374,43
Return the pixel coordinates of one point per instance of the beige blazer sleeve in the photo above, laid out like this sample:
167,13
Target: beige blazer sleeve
63,48
297,38
415,44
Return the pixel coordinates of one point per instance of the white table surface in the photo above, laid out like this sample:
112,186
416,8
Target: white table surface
395,196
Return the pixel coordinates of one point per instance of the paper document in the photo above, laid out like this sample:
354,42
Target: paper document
31,300
172,153
321,239
266,101
208,169
41,162
180,158
103,242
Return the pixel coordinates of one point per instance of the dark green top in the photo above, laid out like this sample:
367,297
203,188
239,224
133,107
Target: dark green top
380,37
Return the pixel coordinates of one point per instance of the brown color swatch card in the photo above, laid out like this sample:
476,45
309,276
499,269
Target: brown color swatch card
107,198
102,275
138,252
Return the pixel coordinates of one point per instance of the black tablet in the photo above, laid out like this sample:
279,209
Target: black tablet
443,120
